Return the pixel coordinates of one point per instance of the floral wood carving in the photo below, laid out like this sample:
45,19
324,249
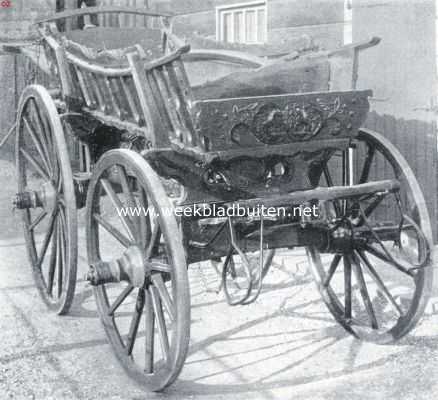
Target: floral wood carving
272,124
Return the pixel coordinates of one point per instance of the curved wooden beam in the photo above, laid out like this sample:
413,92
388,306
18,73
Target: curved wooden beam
235,57
101,10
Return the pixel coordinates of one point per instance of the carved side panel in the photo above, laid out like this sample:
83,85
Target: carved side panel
259,121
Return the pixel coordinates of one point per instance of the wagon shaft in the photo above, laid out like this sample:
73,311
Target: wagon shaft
326,194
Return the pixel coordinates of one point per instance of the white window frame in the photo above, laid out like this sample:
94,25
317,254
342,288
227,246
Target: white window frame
255,5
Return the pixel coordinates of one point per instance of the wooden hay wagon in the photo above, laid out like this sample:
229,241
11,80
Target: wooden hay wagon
124,129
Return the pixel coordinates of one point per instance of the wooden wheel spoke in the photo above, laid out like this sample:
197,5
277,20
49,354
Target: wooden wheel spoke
125,186
120,299
333,266
59,185
46,240
62,259
327,176
149,333
154,241
112,230
35,164
347,286
329,181
38,145
364,291
161,323
37,220
373,205
145,223
367,164
117,204
384,256
44,130
58,177
158,282
375,276
135,322
53,261
160,266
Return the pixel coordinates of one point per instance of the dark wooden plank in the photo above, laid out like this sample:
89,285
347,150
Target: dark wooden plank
283,77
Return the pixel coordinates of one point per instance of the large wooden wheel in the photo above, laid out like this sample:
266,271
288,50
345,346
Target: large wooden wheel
46,197
378,284
155,291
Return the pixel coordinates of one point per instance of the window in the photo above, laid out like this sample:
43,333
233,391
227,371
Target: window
242,23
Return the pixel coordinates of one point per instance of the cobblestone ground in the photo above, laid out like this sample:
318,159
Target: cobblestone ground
283,346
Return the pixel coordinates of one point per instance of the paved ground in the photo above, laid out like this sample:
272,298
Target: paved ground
283,346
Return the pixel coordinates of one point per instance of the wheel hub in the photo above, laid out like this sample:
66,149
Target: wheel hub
341,238
45,197
131,267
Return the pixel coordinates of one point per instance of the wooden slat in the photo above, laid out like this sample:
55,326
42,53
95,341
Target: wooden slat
75,88
98,92
131,102
113,97
163,98
122,101
183,99
61,59
83,87
159,103
89,79
182,74
141,85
